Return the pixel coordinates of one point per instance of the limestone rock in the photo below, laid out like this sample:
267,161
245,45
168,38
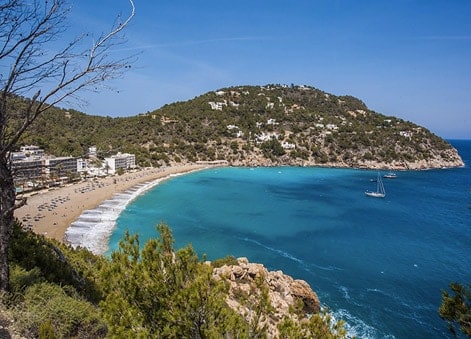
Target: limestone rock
301,290
284,293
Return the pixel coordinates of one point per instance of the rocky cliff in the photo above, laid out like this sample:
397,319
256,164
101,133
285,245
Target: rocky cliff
288,297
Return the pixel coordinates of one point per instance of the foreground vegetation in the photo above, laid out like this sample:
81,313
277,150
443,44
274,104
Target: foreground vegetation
456,309
140,291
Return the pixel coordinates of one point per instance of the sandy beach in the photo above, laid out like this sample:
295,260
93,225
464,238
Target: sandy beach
50,212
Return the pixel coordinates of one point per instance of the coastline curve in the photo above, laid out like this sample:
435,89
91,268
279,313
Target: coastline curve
93,228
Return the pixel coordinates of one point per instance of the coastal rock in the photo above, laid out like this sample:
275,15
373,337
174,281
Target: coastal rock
448,158
246,281
301,290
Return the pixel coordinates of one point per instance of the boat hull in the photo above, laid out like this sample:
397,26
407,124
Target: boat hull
390,175
375,194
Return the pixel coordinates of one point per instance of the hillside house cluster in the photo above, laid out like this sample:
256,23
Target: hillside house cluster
235,129
219,105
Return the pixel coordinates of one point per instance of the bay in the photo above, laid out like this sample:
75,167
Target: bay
379,264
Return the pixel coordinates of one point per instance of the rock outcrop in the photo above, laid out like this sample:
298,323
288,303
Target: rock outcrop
288,297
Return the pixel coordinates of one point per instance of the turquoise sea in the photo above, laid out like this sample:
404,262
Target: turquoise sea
379,264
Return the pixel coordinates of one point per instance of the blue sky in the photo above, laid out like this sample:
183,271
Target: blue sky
407,58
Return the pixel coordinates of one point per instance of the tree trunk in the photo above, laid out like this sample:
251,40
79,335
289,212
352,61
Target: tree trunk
7,204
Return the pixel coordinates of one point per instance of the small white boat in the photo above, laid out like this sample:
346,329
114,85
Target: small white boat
390,175
380,191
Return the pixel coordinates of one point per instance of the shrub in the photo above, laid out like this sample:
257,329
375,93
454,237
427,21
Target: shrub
229,260
157,292
36,257
53,309
21,279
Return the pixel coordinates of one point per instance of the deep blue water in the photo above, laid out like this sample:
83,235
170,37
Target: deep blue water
379,264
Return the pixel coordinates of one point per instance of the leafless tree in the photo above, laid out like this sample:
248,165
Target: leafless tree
33,66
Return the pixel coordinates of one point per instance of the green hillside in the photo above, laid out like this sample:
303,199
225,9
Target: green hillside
251,125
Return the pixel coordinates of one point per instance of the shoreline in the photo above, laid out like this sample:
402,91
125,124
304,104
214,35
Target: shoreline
51,212
93,228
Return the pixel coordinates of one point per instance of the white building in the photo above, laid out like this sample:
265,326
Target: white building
91,168
60,166
28,164
332,127
288,145
266,137
32,163
32,150
82,165
217,106
120,160
92,151
26,168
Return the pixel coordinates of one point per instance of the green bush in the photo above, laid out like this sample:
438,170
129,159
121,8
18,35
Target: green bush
34,257
21,279
319,326
157,292
46,330
229,260
455,308
53,309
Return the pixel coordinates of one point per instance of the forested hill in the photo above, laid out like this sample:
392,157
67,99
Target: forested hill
250,126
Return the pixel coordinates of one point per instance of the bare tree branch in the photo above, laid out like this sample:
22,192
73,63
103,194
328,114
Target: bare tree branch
71,69
29,30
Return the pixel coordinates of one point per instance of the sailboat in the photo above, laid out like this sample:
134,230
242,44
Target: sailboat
390,175
380,192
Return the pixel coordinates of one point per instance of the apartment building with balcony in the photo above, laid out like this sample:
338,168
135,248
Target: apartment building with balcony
25,168
60,166
125,161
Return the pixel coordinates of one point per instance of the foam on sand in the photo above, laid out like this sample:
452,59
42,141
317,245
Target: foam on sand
93,228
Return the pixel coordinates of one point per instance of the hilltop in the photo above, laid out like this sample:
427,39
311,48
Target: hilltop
252,126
